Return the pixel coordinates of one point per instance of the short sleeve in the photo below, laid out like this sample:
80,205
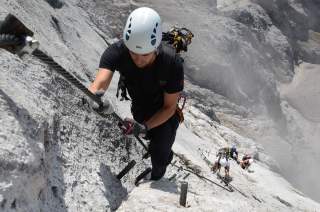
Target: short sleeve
111,57
175,82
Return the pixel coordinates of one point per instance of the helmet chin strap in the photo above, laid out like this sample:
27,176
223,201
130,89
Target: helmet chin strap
158,50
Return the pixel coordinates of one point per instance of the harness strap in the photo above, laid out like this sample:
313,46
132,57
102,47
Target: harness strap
122,87
180,106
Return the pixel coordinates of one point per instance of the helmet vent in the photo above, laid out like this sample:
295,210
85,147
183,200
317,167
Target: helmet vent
153,36
128,31
153,42
128,34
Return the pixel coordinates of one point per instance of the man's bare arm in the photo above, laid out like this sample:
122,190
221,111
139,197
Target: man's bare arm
102,80
168,109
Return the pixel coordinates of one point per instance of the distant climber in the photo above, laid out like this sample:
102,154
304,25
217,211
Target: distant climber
230,152
234,153
222,160
154,78
246,161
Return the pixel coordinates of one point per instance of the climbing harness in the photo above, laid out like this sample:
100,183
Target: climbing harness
180,106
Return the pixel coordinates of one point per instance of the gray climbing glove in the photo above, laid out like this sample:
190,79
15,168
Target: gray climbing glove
131,127
106,108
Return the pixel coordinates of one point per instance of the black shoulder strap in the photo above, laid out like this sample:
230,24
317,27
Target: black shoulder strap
167,50
168,56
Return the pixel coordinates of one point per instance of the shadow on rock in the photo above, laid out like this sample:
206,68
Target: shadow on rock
27,123
51,196
165,185
114,191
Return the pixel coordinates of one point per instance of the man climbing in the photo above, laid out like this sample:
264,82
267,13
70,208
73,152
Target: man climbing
153,76
230,152
222,160
234,153
246,161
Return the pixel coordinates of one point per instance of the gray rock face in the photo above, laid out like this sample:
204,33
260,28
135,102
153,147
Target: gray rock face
274,45
295,19
109,17
57,4
309,50
58,155
40,144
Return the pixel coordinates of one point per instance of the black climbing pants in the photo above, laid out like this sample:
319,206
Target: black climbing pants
161,141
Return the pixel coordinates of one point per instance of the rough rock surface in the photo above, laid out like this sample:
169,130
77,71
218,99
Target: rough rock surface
295,18
58,155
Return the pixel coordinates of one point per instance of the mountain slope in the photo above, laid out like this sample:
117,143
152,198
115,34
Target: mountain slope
58,155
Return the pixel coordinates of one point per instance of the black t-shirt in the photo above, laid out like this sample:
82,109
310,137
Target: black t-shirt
145,86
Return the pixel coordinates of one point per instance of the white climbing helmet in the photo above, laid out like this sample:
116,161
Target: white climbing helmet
250,161
142,33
